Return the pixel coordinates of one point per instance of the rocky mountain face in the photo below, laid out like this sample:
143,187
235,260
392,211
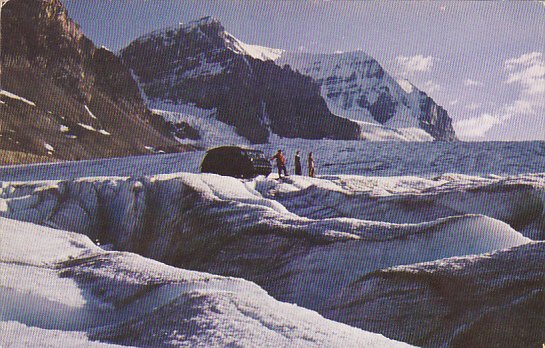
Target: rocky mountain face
356,86
261,90
67,98
201,63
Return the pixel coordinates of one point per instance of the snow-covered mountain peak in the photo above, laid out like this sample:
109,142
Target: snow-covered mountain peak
406,85
208,20
354,86
324,65
210,29
254,51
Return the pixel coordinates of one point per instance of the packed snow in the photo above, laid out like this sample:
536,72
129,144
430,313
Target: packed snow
377,132
16,97
254,51
93,129
104,132
49,147
74,293
86,126
347,78
211,131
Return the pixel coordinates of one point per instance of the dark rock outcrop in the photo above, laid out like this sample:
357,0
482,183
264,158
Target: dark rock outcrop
47,59
435,120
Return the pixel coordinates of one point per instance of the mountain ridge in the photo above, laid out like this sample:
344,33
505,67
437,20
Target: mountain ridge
163,78
198,63
86,103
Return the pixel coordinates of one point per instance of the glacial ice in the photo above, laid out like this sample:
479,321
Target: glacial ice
252,229
490,300
58,288
303,240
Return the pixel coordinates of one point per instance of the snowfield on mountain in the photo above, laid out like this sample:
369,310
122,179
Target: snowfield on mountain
279,93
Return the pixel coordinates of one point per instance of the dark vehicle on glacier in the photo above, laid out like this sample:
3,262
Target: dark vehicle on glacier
235,161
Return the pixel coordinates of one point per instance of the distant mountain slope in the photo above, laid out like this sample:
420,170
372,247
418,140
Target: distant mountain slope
356,86
256,89
201,63
66,98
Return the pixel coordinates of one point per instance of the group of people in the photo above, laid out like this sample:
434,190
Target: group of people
281,164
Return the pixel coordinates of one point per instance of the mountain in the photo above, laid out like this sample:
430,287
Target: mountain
201,63
356,86
65,98
262,90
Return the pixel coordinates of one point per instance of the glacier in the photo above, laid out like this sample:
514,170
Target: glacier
491,300
236,228
427,259
58,288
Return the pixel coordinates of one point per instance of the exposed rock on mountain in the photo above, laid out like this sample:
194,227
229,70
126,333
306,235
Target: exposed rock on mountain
261,90
201,63
81,102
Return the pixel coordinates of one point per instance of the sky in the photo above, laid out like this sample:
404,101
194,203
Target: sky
483,61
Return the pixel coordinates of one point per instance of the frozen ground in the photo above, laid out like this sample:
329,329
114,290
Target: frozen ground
59,289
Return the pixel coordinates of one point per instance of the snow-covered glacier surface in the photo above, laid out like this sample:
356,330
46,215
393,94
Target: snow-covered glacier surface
424,258
492,300
332,158
59,289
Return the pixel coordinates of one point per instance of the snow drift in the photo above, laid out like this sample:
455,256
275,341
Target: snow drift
59,288
225,226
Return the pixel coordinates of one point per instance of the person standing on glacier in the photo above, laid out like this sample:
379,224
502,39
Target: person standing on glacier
310,165
297,164
280,163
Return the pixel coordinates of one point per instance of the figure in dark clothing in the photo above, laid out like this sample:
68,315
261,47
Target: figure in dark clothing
310,165
298,170
280,163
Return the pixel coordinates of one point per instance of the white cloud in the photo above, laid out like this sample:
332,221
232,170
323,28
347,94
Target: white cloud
473,106
408,66
454,102
528,72
476,127
470,82
525,59
431,86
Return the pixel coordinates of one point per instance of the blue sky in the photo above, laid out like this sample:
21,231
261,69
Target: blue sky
482,61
